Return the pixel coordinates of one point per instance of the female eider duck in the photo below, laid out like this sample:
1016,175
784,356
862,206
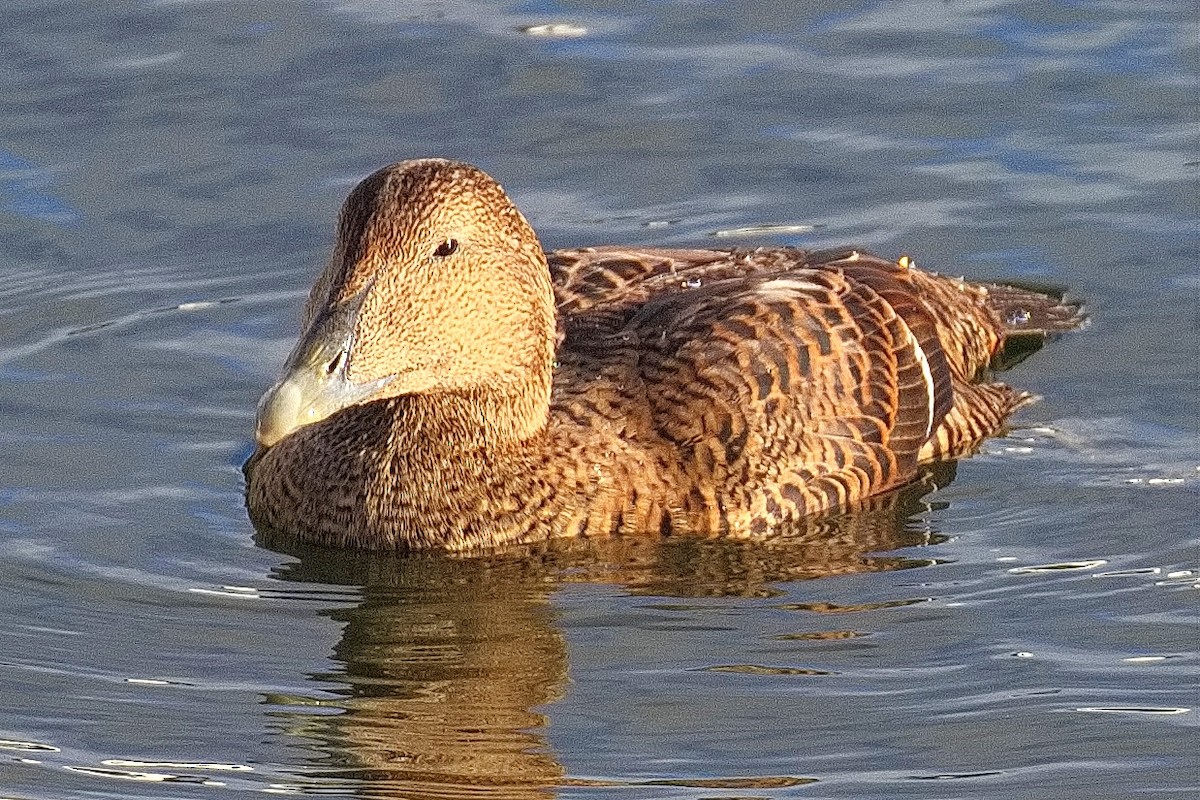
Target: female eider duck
455,387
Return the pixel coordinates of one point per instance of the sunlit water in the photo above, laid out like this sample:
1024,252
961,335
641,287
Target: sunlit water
169,174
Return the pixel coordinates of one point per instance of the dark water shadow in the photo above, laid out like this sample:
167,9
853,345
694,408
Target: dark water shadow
448,662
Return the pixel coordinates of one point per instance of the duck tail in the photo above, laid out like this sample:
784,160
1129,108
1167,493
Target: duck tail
1030,315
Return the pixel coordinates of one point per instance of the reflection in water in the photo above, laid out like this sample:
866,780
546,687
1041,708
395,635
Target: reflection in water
445,670
447,660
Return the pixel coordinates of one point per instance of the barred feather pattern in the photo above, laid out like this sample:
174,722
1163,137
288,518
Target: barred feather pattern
786,382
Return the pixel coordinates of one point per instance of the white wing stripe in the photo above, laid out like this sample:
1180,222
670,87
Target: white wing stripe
926,373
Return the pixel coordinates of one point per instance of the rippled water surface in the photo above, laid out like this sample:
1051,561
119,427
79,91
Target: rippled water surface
169,175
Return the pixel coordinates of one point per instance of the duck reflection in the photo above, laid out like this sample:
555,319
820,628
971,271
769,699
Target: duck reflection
449,662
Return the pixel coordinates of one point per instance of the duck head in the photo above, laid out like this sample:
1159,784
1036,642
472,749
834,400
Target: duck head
437,287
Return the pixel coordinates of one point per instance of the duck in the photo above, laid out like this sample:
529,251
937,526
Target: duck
457,388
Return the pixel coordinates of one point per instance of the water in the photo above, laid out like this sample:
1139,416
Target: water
169,174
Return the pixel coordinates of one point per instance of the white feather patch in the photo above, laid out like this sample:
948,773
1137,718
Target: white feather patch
786,288
926,373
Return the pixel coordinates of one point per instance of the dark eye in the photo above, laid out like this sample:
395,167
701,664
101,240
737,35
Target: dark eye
446,248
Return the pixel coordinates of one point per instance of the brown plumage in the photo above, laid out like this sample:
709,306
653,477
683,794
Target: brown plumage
456,388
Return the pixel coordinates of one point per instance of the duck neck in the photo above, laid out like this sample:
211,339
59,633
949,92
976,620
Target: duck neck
480,421
450,469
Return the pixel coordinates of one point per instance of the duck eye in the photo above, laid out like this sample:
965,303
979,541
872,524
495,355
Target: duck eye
446,248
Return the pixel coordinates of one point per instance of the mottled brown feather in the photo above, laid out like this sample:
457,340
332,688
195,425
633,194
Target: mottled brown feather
705,391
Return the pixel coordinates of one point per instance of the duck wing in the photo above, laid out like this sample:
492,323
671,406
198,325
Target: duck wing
782,382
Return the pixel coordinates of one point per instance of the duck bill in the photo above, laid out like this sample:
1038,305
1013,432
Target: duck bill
316,383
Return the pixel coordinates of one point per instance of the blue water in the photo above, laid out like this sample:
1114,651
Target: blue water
169,176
